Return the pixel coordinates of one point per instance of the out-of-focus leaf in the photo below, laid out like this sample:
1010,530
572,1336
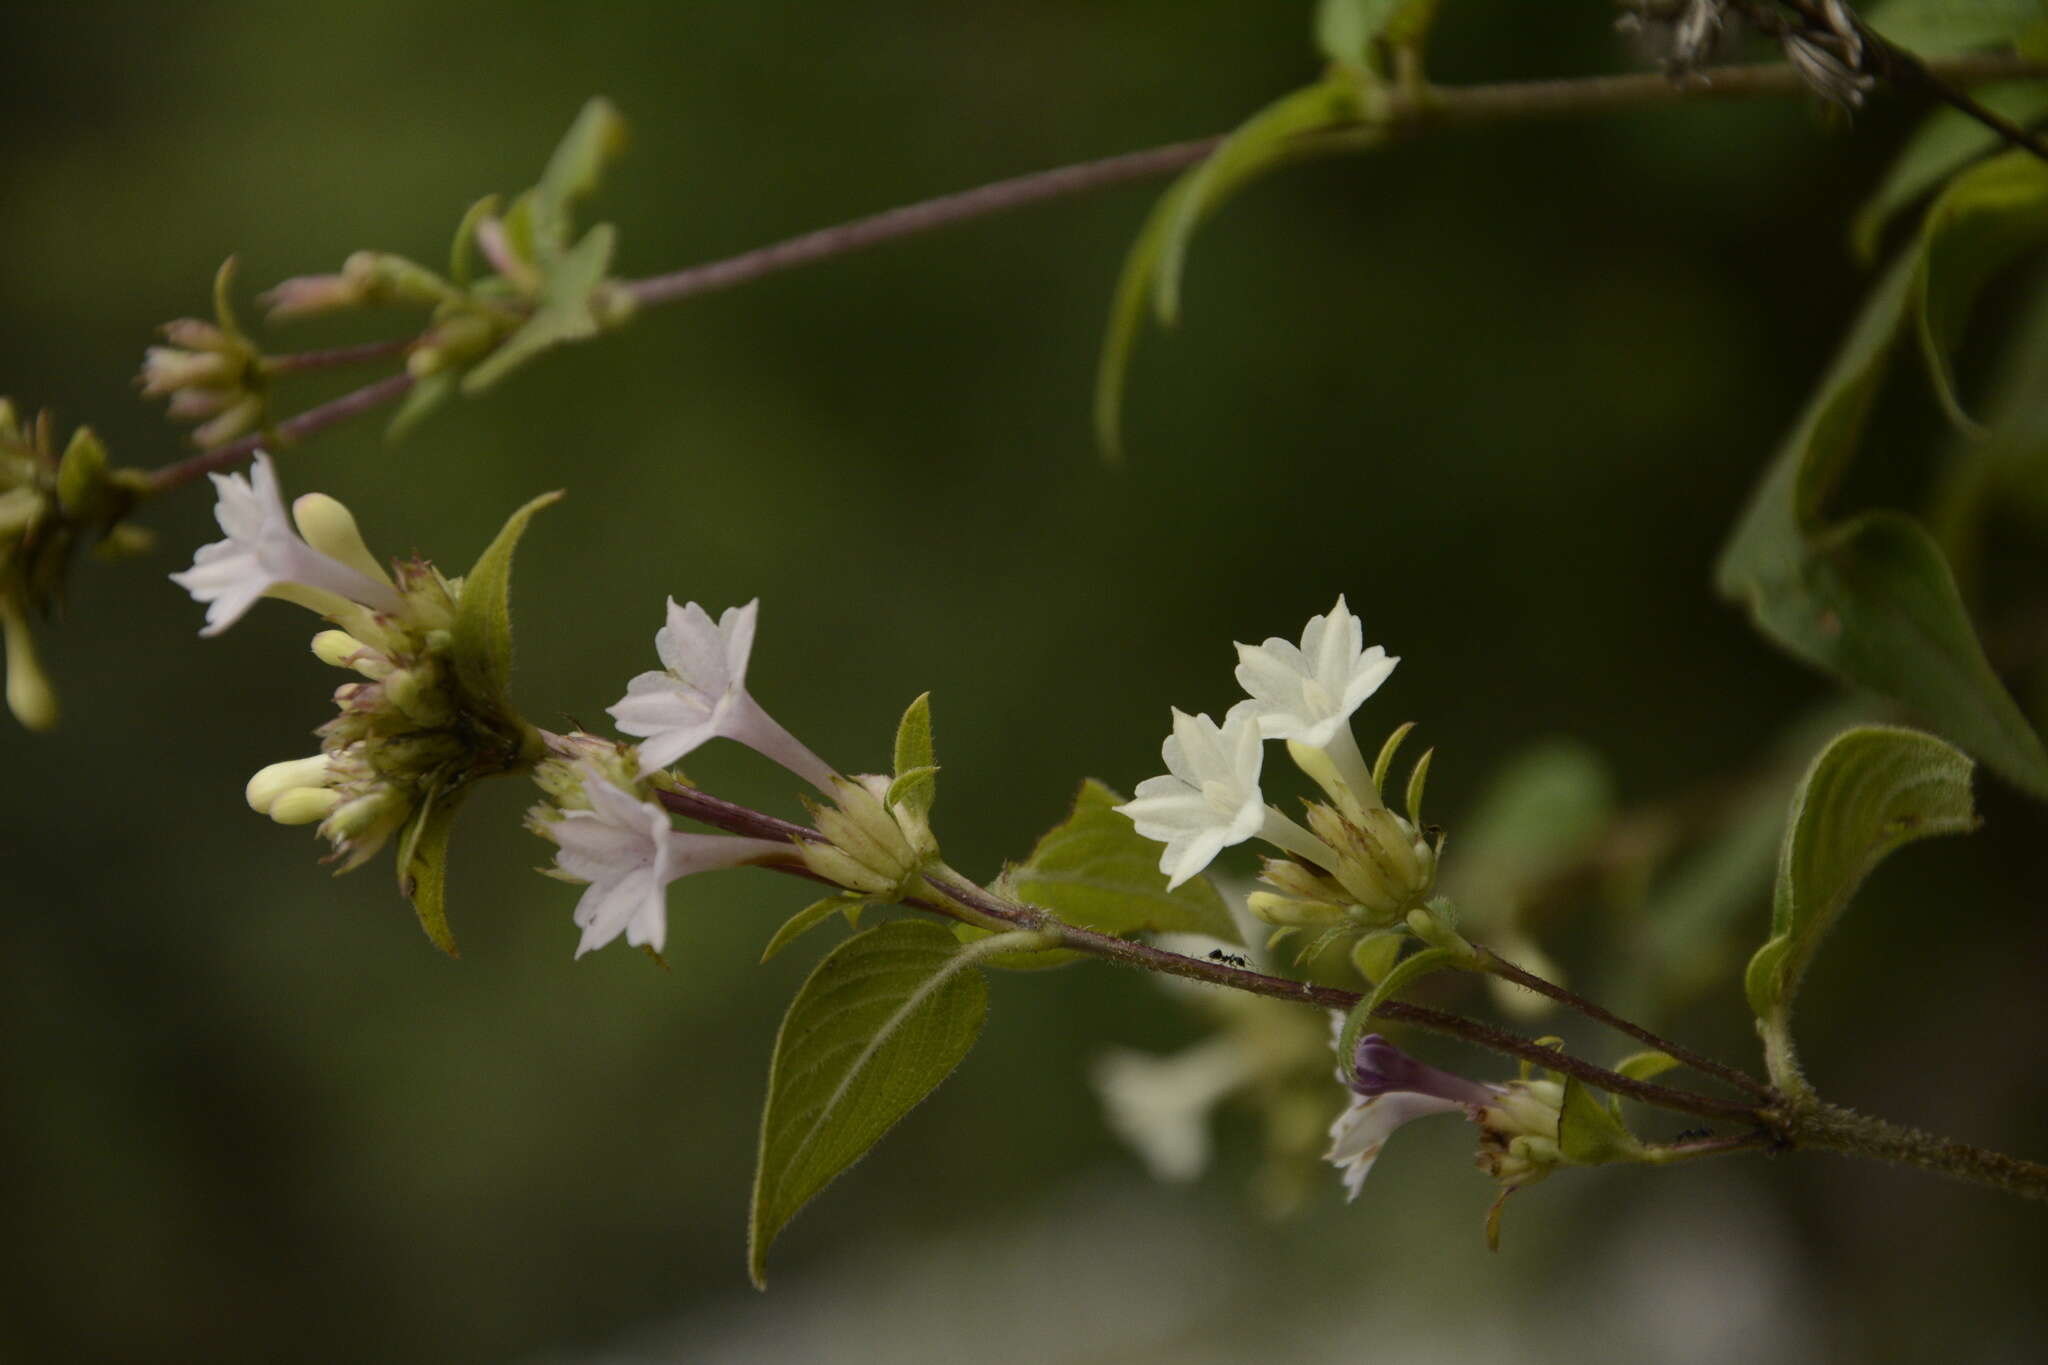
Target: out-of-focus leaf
884,1018
1350,31
1933,28
482,632
423,866
593,141
2008,467
1533,818
1874,789
806,919
1645,1066
1162,242
1944,143
1986,217
567,310
1870,600
1095,870
424,396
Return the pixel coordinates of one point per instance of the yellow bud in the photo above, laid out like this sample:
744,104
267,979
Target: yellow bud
275,781
331,529
304,805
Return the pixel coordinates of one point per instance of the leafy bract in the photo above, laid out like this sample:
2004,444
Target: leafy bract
1095,870
1947,141
1874,789
884,1018
809,918
916,763
574,303
423,865
1870,599
1354,31
483,614
1589,1131
1276,136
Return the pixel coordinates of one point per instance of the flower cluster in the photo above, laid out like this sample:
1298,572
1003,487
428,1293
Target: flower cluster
1356,866
408,731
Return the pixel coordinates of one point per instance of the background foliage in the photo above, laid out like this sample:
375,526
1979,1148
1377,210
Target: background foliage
1505,388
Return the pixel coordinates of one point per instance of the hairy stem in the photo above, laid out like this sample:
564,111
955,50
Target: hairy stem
1507,971
1831,1128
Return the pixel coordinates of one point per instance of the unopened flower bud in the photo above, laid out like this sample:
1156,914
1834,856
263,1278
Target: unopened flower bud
194,334
304,805
330,528
310,295
869,851
1518,1132
1289,912
166,369
233,422
274,781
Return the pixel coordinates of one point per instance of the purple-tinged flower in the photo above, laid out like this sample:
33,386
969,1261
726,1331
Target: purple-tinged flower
702,695
1393,1088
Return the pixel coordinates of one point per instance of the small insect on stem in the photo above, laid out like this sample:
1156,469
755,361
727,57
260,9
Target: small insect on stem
1227,959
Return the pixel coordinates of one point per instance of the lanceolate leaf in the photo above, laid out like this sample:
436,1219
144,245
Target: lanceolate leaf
806,919
1590,1133
916,763
1406,973
1873,790
1943,145
423,866
570,309
1095,870
1349,31
1271,139
1985,218
880,1023
483,614
592,142
1871,599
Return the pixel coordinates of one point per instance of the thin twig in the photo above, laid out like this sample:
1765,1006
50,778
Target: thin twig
337,357
351,404
1508,971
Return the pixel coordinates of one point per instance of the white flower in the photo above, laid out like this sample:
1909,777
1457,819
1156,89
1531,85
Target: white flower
1161,1105
703,695
1210,798
1306,693
629,853
1391,1089
264,555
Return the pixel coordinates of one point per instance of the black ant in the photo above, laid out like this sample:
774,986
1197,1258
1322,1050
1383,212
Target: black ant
1227,959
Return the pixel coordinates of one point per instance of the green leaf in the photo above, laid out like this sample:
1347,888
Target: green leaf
482,643
1870,600
1023,960
806,919
1374,954
1536,815
916,762
1986,218
425,395
1936,28
568,309
423,865
1874,789
1945,142
1348,30
1404,974
1187,202
1258,144
1645,1066
884,1018
461,249
1589,1133
1096,871
595,140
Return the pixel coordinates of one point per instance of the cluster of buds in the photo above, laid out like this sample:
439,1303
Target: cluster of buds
876,848
209,372
50,505
466,323
413,730
1357,867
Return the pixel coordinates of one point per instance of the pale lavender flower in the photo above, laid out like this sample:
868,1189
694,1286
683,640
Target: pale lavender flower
702,695
1392,1089
628,852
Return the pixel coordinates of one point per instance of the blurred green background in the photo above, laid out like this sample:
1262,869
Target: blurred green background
1505,388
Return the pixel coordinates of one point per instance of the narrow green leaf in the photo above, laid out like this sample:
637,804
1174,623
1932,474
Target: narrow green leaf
804,920
1257,144
1096,871
1945,142
1348,31
593,141
884,1018
423,866
1187,202
1645,1066
425,395
463,247
916,768
482,645
1987,217
566,311
1588,1132
1870,600
1874,789
1405,973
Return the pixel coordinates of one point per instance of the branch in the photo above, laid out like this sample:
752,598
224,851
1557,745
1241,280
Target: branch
366,399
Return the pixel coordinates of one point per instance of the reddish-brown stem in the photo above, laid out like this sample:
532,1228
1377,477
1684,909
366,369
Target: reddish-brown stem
1508,971
336,357
353,404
